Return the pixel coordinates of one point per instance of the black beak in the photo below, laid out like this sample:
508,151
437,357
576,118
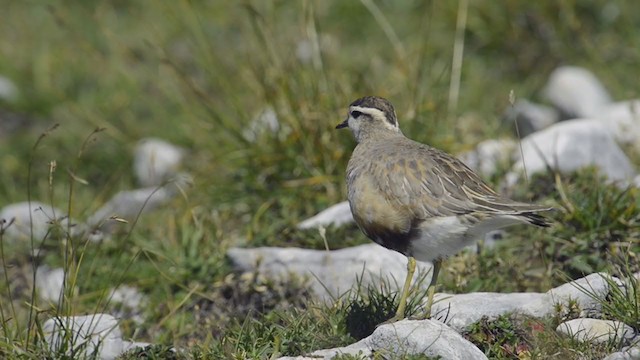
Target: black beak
343,124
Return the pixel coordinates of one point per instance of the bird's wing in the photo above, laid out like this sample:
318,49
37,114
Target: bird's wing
433,183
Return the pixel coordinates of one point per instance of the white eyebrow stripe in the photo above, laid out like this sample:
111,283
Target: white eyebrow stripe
376,114
369,111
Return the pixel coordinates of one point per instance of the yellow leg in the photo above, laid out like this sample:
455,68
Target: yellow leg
432,287
411,269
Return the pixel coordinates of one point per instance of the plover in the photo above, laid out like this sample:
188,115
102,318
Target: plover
416,199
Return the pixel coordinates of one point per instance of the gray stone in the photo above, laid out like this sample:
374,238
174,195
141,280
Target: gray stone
530,117
588,292
488,155
336,215
571,145
626,353
596,330
576,92
50,284
17,220
330,273
86,336
129,302
128,296
156,161
623,120
126,206
462,310
266,122
407,337
8,90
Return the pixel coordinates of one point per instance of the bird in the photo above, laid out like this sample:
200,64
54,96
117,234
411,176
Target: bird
416,199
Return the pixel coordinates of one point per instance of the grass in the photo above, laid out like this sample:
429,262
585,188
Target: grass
197,74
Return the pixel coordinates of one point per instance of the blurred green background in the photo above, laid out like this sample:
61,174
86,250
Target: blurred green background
198,73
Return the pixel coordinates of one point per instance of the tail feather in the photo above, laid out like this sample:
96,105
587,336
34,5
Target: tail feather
536,219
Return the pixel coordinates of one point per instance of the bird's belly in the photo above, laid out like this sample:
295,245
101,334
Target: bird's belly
439,237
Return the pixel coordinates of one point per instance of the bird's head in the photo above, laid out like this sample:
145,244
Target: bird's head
370,116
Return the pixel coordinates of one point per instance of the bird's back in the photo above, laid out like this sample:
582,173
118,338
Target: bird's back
401,191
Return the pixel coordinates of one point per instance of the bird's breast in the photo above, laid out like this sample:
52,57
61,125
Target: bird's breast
379,219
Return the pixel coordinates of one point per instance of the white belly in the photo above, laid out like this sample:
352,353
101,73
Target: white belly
442,237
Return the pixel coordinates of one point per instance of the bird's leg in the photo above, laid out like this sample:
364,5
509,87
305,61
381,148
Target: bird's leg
432,287
411,269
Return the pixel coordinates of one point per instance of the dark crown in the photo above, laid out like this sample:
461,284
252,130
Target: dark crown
379,103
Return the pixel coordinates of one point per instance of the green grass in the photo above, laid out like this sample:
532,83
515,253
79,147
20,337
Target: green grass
197,73
514,336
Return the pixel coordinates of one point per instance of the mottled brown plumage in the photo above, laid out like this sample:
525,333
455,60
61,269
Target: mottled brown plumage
415,199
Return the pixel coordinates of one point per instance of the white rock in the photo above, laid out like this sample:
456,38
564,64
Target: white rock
156,161
530,117
336,215
50,283
489,155
17,220
622,119
588,292
84,335
128,345
88,335
407,337
571,145
128,205
596,330
625,354
462,310
127,296
129,302
8,90
265,122
576,91
331,273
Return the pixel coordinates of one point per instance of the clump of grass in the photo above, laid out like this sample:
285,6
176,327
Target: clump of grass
622,302
367,307
514,336
594,223
598,220
499,338
154,352
292,332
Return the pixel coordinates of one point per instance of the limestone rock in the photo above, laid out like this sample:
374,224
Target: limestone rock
126,206
336,215
623,120
461,310
330,273
489,155
530,117
596,330
17,220
576,92
404,338
156,161
570,145
264,123
86,336
50,283
8,90
127,302
626,353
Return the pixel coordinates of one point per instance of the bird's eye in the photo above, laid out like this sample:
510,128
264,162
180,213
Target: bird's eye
355,114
